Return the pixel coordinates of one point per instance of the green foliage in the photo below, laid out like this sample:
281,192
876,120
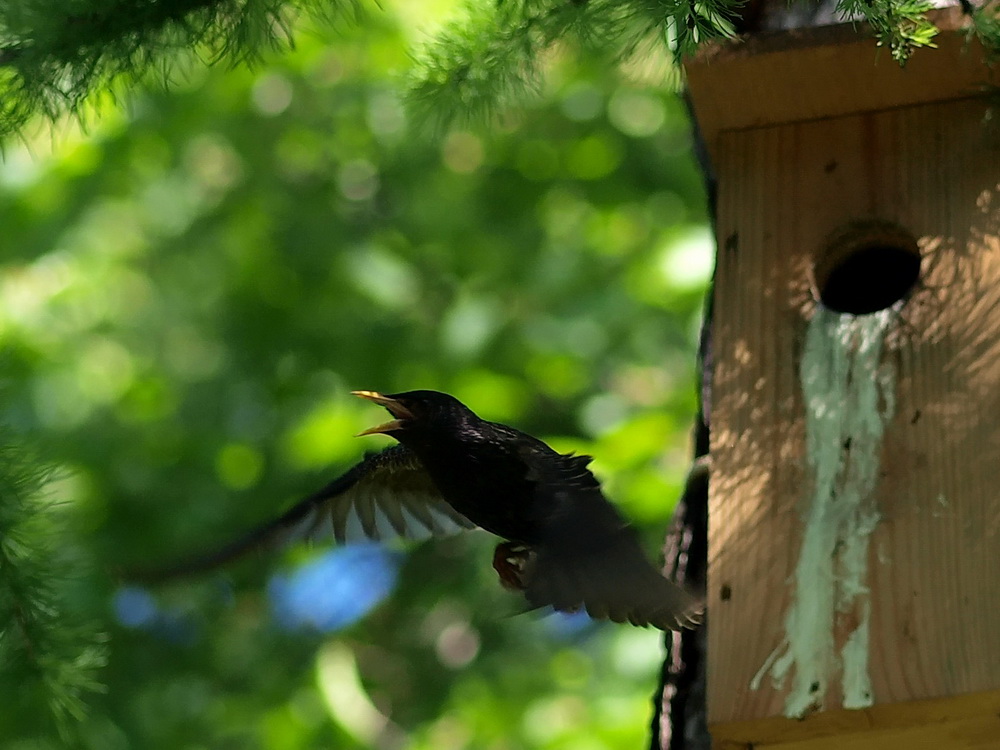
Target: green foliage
491,56
986,26
54,54
49,655
902,25
189,291
57,56
477,66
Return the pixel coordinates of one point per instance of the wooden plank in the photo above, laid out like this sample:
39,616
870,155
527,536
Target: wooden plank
828,71
970,722
934,170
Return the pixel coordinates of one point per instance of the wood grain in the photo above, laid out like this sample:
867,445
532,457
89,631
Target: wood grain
933,169
827,71
970,722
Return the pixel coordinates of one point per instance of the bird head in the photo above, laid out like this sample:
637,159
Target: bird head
416,413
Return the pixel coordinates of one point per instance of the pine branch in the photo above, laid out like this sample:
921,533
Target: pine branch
47,655
56,54
478,65
902,25
492,56
986,26
686,24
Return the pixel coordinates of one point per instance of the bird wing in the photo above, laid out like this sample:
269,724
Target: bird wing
387,494
590,556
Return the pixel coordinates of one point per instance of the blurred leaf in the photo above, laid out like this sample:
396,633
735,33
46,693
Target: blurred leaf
190,290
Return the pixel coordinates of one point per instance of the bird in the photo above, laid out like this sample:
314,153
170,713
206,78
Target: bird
565,545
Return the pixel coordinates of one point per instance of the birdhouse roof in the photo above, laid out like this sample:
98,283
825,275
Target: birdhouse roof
828,71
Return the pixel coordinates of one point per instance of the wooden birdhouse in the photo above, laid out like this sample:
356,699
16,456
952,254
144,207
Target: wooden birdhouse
854,513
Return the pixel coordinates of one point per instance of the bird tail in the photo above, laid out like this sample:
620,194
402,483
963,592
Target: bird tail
617,583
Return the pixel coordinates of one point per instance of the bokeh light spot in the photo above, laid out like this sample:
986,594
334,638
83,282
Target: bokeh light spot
569,625
336,589
239,466
26,292
686,262
495,396
271,94
323,436
386,278
149,399
105,371
548,720
593,157
20,167
386,114
582,102
470,323
602,413
555,374
457,645
348,701
462,152
636,113
211,160
358,180
637,651
134,607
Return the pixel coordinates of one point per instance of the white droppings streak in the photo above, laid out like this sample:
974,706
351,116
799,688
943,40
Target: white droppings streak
857,684
849,396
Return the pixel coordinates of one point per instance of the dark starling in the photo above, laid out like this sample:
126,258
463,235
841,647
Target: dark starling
567,547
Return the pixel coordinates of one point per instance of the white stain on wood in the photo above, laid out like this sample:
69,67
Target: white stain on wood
849,397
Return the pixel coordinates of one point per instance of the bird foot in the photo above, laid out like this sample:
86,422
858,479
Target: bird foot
511,562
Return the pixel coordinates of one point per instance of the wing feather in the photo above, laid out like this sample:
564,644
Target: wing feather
418,511
590,557
394,513
388,486
364,506
339,514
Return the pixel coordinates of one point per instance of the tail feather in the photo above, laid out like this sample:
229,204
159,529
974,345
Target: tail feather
617,583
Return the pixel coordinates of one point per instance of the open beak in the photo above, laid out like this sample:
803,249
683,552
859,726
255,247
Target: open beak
395,408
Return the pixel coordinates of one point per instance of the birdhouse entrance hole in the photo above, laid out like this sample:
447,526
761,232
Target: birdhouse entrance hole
866,268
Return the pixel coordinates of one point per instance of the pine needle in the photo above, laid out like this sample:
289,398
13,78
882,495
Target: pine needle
49,657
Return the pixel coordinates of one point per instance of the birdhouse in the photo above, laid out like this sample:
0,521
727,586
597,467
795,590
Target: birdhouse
854,513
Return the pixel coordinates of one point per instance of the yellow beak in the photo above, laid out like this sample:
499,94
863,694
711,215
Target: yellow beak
395,408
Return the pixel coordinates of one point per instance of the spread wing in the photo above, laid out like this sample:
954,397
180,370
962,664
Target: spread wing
590,556
386,494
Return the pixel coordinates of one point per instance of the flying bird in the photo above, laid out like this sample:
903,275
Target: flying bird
565,545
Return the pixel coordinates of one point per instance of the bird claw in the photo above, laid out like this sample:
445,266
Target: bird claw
512,563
